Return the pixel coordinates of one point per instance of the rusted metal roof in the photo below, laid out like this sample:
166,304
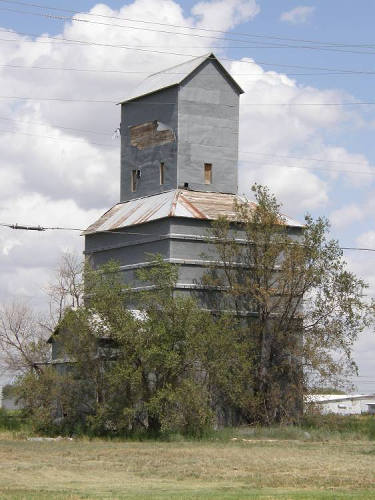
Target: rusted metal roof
174,203
174,76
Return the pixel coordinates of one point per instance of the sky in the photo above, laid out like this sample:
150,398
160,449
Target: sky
307,118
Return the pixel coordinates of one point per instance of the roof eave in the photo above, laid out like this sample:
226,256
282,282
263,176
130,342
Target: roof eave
147,94
210,56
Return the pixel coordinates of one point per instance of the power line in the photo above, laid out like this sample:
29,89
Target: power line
112,25
61,99
211,47
260,104
45,228
273,37
304,158
343,171
37,228
318,45
359,249
240,151
59,139
94,70
216,147
55,126
70,41
125,47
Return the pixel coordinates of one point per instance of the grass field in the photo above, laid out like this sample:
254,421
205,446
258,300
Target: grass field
246,468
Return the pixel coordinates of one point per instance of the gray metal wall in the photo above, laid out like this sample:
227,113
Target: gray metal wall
203,113
208,116
129,245
179,240
161,106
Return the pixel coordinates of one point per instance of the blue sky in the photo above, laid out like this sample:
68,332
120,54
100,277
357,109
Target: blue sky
63,185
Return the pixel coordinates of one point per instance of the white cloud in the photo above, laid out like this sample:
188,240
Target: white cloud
225,14
346,215
28,257
298,15
77,166
269,135
366,240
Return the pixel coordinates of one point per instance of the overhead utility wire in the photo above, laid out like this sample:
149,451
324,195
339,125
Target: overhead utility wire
317,169
143,48
276,37
127,27
61,99
359,249
45,228
125,47
94,70
38,228
303,158
25,122
241,160
59,139
260,104
209,30
205,47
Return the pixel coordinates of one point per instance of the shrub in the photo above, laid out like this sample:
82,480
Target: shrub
9,421
363,425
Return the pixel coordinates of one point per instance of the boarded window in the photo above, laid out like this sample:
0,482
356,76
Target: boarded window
133,181
161,173
208,173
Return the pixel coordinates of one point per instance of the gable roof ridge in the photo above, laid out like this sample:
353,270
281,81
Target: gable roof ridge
204,56
176,195
166,79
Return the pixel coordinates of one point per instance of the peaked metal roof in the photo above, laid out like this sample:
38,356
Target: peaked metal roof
175,203
175,75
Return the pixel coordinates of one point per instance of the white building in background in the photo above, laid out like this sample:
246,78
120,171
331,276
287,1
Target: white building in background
343,404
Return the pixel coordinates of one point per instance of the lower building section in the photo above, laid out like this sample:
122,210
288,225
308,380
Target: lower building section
185,243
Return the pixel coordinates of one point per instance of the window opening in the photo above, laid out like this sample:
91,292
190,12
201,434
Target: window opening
208,173
134,181
161,173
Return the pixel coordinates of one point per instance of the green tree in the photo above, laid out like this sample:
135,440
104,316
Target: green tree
162,375
302,308
128,362
288,311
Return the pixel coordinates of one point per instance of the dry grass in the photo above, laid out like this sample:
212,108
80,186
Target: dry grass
233,469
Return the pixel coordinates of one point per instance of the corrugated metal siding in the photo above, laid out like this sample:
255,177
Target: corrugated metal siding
147,160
